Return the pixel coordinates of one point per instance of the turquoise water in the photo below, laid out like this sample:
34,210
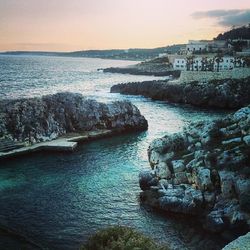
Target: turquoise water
59,200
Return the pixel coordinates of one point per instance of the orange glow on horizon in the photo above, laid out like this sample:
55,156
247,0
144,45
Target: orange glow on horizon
61,25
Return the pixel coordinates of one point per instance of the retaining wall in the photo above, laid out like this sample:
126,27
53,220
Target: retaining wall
189,76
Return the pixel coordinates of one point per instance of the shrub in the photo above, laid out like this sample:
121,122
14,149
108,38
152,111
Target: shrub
120,238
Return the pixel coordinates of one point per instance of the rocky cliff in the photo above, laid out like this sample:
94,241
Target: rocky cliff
226,93
41,119
204,172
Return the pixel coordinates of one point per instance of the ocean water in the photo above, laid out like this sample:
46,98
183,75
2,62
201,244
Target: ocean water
58,200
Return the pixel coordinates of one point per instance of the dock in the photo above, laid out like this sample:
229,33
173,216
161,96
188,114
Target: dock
65,143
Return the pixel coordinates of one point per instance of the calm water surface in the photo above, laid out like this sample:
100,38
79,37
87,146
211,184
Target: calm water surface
58,200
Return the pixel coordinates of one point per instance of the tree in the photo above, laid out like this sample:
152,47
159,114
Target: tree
204,63
218,60
210,65
247,61
190,63
240,62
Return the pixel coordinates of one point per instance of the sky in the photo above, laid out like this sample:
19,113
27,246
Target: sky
70,25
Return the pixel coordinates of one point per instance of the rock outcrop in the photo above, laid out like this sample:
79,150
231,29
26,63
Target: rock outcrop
143,71
204,172
155,67
241,243
41,119
226,93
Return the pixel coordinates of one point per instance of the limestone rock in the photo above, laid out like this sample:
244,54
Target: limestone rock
210,180
227,93
241,243
46,118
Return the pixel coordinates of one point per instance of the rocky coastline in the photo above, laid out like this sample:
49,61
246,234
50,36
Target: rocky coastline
224,94
155,67
203,172
46,118
147,72
242,243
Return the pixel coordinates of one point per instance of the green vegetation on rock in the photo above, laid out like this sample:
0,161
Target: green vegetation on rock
120,238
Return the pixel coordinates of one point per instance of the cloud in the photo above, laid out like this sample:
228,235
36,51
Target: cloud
226,17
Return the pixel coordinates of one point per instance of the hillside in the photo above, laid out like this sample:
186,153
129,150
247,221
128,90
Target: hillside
130,54
237,33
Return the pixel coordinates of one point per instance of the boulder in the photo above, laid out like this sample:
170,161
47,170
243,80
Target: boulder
147,179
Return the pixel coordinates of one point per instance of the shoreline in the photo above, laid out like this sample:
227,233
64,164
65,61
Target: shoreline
203,171
66,143
219,94
58,122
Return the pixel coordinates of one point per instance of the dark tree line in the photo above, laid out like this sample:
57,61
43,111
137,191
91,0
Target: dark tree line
236,33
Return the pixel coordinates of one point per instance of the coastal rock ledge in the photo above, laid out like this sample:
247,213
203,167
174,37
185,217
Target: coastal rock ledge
43,119
227,93
203,172
241,243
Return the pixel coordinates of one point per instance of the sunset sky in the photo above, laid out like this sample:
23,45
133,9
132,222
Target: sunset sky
68,25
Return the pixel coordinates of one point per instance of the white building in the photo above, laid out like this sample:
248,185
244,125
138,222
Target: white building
162,55
196,45
180,63
225,63
198,63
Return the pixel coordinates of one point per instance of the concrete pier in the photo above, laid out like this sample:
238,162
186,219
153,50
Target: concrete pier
66,143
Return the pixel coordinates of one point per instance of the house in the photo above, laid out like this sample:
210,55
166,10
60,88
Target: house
199,46
180,63
196,45
224,63
215,45
202,63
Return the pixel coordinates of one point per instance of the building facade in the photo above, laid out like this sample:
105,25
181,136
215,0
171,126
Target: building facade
207,63
196,45
199,46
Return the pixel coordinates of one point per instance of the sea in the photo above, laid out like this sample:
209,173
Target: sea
57,201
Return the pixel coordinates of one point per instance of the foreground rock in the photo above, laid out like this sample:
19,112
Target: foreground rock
226,93
43,119
155,67
241,243
204,171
